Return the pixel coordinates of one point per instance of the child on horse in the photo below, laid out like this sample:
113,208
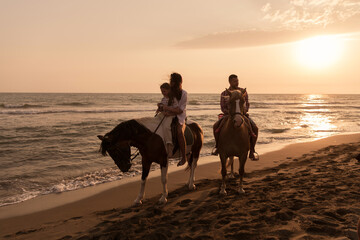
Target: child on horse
165,91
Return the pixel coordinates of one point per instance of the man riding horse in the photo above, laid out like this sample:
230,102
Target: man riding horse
253,129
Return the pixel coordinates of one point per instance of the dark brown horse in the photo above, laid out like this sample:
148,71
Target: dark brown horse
151,147
234,138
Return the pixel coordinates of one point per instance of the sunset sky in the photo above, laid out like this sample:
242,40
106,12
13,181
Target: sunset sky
133,46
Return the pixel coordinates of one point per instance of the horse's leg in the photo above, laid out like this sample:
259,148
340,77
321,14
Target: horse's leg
164,178
223,173
145,173
252,138
195,153
242,161
140,197
192,172
231,163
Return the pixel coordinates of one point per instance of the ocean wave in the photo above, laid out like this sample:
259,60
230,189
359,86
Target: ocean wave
273,103
9,106
293,112
76,104
194,102
28,129
90,179
276,130
320,111
264,141
325,107
259,105
19,198
87,180
193,108
30,112
327,130
287,138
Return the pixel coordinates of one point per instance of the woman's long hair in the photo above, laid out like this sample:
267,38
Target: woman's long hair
175,91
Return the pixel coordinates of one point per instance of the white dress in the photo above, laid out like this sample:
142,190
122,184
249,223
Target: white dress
182,105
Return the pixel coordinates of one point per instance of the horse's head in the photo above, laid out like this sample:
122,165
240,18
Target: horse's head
237,106
119,151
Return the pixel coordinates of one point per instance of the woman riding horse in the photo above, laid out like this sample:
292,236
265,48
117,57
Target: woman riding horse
139,134
177,106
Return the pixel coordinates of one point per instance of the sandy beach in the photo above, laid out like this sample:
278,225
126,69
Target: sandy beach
302,191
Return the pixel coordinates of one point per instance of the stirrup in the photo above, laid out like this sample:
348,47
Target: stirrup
255,157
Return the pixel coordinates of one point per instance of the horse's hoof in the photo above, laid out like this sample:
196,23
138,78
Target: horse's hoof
137,202
192,187
231,176
241,191
223,192
163,201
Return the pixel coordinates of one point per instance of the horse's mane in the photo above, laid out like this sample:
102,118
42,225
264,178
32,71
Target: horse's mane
127,129
124,131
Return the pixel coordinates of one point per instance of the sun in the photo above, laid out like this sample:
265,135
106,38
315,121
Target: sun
319,52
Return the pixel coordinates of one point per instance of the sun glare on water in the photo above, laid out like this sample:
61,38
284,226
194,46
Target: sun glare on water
319,52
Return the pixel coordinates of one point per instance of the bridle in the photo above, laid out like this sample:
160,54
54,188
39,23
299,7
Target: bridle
238,111
132,156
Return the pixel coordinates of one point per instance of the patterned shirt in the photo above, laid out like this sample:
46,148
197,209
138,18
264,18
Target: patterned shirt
224,101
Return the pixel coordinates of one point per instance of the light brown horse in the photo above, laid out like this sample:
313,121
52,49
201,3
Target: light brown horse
234,138
151,147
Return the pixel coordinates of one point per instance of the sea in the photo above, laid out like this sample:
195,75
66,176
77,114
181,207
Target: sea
49,144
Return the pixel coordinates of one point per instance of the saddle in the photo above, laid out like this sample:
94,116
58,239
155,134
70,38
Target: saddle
189,137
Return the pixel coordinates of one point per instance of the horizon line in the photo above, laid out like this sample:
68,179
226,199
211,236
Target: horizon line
188,92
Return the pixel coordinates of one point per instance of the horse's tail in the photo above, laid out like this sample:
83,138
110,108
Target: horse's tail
190,161
198,142
197,126
229,161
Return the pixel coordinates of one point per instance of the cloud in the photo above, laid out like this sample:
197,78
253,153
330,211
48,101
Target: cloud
304,14
266,8
302,19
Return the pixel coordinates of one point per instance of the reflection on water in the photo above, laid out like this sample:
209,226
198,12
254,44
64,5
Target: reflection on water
318,122
314,98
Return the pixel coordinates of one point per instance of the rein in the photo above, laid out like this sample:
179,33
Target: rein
134,155
159,124
137,152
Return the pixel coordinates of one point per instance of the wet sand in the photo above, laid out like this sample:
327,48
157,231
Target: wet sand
303,191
